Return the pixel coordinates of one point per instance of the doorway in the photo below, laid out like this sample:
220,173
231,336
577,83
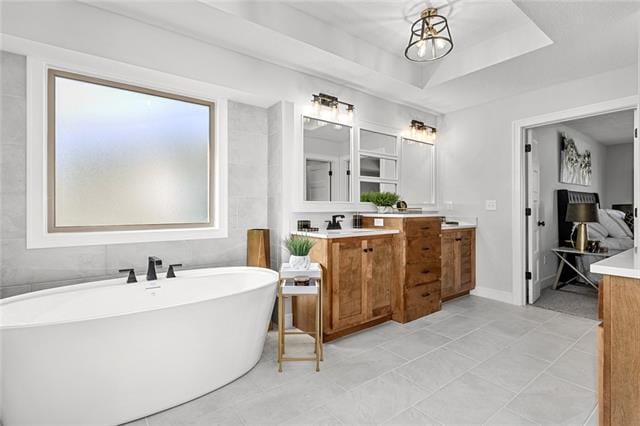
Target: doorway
532,259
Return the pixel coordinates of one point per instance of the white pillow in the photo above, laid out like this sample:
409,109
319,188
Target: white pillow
614,224
615,213
597,232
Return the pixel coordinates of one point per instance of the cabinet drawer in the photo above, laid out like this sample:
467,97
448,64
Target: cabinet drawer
422,227
423,249
424,272
422,300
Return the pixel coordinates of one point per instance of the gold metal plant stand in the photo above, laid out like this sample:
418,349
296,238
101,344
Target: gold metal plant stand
286,288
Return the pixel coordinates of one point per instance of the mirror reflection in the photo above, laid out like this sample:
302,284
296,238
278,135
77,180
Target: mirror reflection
417,174
327,160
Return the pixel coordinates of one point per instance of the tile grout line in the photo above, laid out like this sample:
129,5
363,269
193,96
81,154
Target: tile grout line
505,406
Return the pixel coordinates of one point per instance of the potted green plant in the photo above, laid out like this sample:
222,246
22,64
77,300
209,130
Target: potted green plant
299,248
384,201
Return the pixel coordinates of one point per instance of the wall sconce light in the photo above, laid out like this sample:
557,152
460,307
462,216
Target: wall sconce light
423,131
332,103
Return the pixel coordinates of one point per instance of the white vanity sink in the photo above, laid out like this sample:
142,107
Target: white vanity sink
346,233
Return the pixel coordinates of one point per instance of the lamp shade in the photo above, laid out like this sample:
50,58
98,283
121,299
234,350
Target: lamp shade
582,212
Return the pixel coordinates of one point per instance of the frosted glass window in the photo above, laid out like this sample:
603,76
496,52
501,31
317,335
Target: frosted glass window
123,157
377,142
417,173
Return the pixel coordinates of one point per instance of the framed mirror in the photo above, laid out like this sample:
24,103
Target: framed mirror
327,161
418,172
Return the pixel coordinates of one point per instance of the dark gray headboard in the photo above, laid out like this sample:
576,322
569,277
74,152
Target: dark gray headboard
566,197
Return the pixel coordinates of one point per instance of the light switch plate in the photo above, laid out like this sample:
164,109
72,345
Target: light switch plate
491,205
378,222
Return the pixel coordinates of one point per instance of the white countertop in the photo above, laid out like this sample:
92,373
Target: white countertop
346,233
401,215
460,225
625,264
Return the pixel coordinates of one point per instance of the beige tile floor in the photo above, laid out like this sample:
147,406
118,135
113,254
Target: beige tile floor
475,362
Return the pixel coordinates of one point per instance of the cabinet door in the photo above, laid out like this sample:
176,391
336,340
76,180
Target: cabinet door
466,258
348,292
380,276
448,273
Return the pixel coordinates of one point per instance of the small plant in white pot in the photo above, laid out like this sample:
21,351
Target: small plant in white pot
384,201
299,248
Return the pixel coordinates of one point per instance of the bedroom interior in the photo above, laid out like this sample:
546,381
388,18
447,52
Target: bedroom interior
606,189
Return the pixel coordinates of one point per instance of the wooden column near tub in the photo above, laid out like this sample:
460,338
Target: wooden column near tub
619,351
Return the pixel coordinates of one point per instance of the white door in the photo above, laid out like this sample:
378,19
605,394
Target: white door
318,180
535,221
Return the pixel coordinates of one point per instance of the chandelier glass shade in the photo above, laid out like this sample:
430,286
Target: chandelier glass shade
430,37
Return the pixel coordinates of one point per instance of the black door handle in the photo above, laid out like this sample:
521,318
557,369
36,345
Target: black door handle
541,223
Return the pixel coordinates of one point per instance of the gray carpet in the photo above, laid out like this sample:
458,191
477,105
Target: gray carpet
578,300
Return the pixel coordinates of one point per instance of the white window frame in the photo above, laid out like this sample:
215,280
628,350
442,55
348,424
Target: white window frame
38,235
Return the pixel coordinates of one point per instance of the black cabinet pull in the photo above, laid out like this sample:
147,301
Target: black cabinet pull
365,250
426,271
426,294
426,227
458,239
425,248
371,249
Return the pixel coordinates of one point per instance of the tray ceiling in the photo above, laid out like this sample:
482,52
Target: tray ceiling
501,48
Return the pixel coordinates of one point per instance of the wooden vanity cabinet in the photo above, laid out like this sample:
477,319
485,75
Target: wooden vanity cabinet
618,349
416,288
458,262
359,273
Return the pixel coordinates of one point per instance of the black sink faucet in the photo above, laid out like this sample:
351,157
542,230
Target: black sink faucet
151,270
334,223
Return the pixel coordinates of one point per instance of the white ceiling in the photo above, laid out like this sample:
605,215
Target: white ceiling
608,129
501,47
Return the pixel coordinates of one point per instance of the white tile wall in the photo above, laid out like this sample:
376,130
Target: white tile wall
24,270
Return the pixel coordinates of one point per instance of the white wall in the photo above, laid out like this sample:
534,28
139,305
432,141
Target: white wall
83,28
259,183
549,156
475,153
23,270
619,175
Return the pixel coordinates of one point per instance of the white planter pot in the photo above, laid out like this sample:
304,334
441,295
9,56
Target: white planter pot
299,262
384,209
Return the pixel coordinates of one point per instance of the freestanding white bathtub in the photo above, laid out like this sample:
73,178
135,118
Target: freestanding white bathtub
108,352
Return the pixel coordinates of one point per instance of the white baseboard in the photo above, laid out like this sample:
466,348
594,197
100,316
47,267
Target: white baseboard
490,293
547,281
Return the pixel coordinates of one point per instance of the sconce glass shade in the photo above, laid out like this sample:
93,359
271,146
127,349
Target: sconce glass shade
582,213
430,37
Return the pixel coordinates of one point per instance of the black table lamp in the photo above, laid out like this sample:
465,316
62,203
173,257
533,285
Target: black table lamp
581,214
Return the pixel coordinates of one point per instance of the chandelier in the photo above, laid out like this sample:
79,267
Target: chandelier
430,37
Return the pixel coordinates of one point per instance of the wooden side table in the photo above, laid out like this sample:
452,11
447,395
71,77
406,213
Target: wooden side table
286,287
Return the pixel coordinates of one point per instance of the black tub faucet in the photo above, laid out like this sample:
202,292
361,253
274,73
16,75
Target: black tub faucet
151,270
334,223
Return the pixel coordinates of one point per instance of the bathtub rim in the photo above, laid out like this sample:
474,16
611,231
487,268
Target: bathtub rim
119,281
